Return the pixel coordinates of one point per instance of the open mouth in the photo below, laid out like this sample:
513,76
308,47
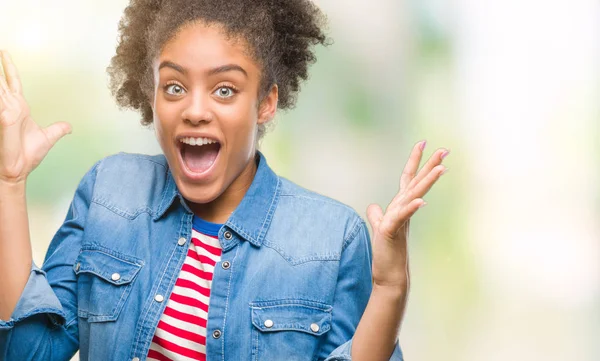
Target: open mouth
199,154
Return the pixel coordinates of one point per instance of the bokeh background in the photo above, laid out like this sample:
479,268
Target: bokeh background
505,258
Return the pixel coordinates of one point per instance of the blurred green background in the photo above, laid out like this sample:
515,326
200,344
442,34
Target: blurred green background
505,258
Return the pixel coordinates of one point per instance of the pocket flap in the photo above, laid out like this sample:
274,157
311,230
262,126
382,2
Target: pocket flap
118,270
291,315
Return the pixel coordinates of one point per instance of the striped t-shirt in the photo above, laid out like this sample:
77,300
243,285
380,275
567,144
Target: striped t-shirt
181,331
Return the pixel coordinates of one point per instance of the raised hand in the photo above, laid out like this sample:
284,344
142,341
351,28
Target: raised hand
23,144
390,229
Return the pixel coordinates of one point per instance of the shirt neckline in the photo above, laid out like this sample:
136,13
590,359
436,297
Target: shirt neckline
206,227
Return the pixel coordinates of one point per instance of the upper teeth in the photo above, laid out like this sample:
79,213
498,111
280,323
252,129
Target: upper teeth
197,141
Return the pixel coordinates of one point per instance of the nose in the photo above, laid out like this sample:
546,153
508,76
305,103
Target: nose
197,110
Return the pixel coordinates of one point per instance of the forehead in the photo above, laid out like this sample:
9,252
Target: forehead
198,47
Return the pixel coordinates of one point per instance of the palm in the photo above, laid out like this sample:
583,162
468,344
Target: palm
23,144
35,143
390,229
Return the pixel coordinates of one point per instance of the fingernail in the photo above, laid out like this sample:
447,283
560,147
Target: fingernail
445,154
423,144
423,205
444,171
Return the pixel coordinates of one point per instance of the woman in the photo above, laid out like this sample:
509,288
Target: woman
203,252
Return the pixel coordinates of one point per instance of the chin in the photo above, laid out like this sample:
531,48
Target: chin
199,193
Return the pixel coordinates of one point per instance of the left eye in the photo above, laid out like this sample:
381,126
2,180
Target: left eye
174,89
224,92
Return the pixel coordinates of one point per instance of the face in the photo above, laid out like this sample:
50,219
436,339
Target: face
207,112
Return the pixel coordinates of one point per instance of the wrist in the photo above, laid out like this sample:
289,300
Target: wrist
394,292
12,188
392,281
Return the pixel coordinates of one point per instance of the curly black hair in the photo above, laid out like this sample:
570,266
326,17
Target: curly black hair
279,33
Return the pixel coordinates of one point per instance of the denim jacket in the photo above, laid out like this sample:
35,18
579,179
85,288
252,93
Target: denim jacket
296,258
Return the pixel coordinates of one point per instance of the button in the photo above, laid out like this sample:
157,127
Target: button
216,333
226,265
269,323
181,241
159,298
77,267
135,359
314,327
227,235
115,276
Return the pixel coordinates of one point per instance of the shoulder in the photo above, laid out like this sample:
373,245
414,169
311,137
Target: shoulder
313,219
129,170
129,183
132,162
293,195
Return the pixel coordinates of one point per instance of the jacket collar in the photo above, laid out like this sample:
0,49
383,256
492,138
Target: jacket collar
252,217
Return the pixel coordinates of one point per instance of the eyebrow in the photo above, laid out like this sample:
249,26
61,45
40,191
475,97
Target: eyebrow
213,71
226,68
169,64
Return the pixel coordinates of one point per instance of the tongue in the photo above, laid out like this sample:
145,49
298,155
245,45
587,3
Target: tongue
199,158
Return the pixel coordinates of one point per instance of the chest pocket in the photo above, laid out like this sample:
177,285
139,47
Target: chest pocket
288,329
104,281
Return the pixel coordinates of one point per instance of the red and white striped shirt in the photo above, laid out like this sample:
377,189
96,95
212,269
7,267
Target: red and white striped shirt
181,331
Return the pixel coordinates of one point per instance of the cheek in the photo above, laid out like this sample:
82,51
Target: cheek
158,131
162,131
241,130
242,118
163,118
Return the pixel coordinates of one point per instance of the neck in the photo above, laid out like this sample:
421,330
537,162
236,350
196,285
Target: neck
219,210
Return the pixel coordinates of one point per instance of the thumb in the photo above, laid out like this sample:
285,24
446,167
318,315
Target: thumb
56,131
374,214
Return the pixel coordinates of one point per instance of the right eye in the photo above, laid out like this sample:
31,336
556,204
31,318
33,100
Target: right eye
174,89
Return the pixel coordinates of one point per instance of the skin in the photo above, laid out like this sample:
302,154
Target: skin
196,107
23,145
391,276
208,86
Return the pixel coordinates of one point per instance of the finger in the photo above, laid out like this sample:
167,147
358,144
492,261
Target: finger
436,159
10,72
374,215
6,96
3,86
56,131
397,216
420,189
411,167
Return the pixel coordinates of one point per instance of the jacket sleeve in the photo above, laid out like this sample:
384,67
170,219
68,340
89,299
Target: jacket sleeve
352,293
43,325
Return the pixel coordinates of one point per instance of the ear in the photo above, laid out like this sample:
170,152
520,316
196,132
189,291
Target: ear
268,106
